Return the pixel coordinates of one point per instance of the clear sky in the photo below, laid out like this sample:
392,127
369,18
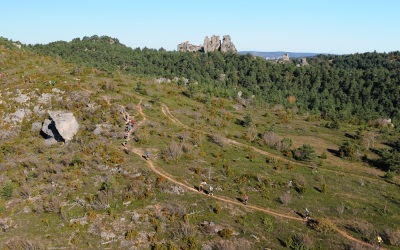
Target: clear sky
321,26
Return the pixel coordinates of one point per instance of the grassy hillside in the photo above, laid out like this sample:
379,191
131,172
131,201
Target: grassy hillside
92,192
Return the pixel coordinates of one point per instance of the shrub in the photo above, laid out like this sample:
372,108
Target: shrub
131,234
389,175
393,235
190,243
348,150
285,198
268,225
247,120
304,153
172,152
322,225
7,190
225,233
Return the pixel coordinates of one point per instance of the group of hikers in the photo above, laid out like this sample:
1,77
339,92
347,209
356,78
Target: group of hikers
128,126
129,122
202,188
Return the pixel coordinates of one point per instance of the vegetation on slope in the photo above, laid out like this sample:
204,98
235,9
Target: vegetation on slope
353,88
94,193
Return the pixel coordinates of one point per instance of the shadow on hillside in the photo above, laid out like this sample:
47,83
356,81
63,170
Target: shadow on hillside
318,189
350,136
357,231
282,242
333,151
299,214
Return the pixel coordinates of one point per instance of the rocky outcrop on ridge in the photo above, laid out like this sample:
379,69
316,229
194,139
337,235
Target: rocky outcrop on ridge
210,45
227,45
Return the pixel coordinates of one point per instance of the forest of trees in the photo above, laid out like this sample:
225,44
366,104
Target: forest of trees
357,87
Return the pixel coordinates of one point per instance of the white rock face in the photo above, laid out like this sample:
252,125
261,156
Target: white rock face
18,116
62,125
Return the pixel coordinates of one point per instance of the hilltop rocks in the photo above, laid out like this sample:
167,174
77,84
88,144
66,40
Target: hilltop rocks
210,45
186,46
61,126
227,45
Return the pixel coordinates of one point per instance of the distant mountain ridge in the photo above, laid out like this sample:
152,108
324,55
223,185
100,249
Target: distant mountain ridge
279,54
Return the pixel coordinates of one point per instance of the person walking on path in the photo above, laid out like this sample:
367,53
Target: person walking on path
307,214
202,186
380,241
211,191
147,155
246,199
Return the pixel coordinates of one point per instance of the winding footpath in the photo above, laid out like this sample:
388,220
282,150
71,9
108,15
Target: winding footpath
167,113
160,172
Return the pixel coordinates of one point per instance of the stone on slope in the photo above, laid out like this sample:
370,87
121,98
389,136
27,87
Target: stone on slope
61,125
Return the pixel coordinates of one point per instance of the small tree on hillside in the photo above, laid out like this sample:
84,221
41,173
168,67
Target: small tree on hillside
247,120
304,153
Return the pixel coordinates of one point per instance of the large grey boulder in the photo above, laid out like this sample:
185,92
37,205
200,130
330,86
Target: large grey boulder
61,125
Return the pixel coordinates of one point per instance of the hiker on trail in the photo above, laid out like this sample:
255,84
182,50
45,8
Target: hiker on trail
202,186
211,191
246,199
132,122
129,127
290,184
307,214
146,156
380,241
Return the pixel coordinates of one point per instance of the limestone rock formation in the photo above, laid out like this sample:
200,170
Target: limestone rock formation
210,45
303,62
186,46
227,45
61,125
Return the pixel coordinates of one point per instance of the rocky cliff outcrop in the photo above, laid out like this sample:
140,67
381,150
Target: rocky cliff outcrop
61,126
227,45
210,45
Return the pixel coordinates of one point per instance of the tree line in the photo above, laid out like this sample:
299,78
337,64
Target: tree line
356,87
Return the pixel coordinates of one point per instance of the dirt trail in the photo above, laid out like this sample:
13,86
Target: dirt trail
167,113
139,152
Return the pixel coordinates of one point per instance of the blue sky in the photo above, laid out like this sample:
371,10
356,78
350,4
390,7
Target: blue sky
321,26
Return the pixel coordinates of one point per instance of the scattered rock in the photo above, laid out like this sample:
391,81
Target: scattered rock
135,217
177,190
45,98
22,98
6,224
107,235
39,111
36,126
83,221
18,116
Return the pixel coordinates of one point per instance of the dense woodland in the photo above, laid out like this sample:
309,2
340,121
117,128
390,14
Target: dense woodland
355,88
